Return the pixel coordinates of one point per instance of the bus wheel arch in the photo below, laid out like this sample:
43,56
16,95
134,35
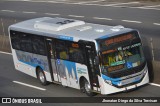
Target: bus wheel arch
41,76
83,83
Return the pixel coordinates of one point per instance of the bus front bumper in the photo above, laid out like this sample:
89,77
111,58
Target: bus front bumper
109,89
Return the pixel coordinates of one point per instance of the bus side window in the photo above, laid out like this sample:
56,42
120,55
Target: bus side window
15,40
25,42
75,53
61,50
38,45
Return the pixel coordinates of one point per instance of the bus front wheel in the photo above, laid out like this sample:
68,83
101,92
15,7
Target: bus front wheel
41,77
87,88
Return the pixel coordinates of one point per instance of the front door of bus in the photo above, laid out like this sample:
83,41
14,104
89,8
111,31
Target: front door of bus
52,60
93,69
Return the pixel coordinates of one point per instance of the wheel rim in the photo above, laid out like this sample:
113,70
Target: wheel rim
41,77
87,87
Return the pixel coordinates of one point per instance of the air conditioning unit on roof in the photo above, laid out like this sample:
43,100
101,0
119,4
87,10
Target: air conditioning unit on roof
57,24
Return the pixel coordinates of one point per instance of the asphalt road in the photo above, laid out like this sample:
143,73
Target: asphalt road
13,11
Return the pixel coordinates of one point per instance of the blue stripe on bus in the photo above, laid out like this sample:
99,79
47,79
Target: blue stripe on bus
32,64
114,81
109,78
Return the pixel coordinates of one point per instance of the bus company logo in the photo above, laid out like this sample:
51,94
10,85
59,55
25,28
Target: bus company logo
6,100
81,70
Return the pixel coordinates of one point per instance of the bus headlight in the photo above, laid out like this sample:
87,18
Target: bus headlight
108,82
145,70
119,84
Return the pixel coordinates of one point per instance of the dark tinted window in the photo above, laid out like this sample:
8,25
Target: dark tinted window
15,40
75,53
25,42
38,45
28,42
21,41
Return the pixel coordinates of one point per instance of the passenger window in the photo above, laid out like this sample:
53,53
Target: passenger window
75,53
25,42
38,45
61,50
15,40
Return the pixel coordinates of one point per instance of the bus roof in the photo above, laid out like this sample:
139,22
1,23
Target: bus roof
68,29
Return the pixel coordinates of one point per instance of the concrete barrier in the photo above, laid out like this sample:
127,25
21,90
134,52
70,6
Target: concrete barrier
156,68
4,44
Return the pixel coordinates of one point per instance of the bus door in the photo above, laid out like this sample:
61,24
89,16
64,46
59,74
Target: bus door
93,69
52,60
61,56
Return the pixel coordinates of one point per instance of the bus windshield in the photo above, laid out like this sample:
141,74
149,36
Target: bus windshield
121,53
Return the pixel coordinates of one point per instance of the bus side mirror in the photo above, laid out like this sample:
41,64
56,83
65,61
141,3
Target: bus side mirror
97,60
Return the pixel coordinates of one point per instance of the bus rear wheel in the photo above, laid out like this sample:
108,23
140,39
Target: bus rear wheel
41,77
87,88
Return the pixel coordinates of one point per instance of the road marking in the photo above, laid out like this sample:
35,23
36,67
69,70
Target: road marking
5,53
150,6
28,12
78,16
156,23
8,11
131,21
145,8
51,14
26,0
154,84
32,86
102,18
121,3
110,5
91,1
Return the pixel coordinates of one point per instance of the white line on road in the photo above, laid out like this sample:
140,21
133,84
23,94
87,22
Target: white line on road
145,8
110,5
51,14
102,18
21,83
156,23
131,21
28,12
78,16
8,11
154,84
150,6
121,3
91,1
5,52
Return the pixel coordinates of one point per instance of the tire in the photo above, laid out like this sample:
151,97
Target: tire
41,77
87,88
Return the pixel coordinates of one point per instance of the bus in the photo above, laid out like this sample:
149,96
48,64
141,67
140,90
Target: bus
91,57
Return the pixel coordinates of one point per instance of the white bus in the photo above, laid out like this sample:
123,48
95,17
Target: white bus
91,57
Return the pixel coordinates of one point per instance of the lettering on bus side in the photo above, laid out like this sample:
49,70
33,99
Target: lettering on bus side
81,70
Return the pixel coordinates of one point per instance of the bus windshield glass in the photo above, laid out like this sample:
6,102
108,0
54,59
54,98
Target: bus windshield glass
121,52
